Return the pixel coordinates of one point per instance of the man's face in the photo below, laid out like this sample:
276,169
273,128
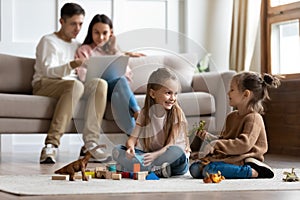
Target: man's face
71,26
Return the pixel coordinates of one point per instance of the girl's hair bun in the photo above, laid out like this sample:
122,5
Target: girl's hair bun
271,81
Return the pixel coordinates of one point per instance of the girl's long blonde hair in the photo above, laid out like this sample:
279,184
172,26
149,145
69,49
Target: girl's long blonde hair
156,80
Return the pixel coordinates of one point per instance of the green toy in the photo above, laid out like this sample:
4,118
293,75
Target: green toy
291,176
197,127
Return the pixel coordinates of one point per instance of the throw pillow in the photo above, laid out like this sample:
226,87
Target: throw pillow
183,65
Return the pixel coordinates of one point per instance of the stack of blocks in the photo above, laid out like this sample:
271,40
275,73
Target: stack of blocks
137,174
107,172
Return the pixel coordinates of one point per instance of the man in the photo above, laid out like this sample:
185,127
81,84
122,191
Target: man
54,77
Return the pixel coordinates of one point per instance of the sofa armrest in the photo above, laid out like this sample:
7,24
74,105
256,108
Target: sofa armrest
217,84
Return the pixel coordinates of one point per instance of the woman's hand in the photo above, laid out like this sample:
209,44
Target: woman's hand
81,73
134,54
149,158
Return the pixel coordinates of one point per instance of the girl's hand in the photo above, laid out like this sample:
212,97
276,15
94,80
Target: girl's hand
209,148
130,153
149,158
201,134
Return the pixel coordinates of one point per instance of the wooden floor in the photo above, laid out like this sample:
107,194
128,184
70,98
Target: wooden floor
27,163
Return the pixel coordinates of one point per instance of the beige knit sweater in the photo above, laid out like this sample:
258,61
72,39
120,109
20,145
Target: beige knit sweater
242,137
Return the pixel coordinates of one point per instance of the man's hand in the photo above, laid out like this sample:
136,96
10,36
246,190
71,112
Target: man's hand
77,62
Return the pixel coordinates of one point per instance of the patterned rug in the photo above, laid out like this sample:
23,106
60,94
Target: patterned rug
43,185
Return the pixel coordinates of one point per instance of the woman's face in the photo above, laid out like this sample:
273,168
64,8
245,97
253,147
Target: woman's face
101,33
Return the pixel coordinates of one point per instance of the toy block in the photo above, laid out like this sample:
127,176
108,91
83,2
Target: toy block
104,174
116,176
100,168
109,174
127,174
140,175
60,177
152,176
112,168
140,158
79,176
91,173
136,167
101,174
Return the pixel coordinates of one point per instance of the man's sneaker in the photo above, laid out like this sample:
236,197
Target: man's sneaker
163,171
263,170
48,154
98,155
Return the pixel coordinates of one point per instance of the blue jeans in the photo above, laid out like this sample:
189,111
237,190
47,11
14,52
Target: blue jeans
229,171
174,155
123,103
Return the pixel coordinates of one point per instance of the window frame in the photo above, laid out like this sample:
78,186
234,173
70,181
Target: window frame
270,15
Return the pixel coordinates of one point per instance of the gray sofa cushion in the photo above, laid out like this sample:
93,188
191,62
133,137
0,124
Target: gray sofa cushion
201,102
16,74
26,106
32,107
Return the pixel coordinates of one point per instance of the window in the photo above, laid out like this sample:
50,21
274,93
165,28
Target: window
281,37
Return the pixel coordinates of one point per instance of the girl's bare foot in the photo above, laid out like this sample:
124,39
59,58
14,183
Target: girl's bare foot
254,173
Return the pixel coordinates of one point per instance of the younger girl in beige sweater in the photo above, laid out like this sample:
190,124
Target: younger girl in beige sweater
239,151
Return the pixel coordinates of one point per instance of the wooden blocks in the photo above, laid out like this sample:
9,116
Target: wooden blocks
79,176
107,172
60,177
136,167
104,174
116,176
90,173
140,175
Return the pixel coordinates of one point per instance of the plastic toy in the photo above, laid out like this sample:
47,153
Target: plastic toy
78,165
197,127
213,178
291,176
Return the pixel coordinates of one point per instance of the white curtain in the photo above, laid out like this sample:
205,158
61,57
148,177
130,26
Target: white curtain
245,25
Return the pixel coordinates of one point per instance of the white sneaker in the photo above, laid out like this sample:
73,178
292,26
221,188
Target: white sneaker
98,155
163,171
48,154
264,170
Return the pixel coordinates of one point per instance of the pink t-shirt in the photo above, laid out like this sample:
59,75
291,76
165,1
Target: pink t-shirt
155,130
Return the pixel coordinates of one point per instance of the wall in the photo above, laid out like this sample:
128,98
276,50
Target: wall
178,25
23,23
208,23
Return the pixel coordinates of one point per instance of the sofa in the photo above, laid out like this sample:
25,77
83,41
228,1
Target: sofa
203,95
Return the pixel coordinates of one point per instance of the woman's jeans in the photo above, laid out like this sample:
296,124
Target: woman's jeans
174,155
123,103
229,171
